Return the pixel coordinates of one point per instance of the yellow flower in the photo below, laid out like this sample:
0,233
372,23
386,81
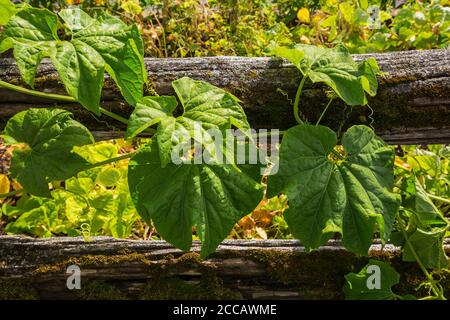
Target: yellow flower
303,15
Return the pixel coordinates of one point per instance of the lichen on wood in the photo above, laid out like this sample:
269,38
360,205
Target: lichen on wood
239,269
412,105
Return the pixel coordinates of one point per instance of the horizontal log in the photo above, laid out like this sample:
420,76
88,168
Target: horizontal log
412,106
249,269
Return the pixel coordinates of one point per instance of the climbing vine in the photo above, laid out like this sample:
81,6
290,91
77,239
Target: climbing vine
335,184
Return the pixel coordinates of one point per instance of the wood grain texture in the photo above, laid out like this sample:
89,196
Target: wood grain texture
240,269
412,106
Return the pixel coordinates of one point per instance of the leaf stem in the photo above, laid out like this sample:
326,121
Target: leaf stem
57,97
432,196
35,93
297,100
113,115
430,278
108,161
324,111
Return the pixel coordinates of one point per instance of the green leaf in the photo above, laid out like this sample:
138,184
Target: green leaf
347,9
164,137
80,186
149,112
425,210
48,137
81,69
366,285
336,68
35,216
109,176
206,107
94,153
176,197
105,43
31,33
212,106
327,194
429,247
294,55
7,10
119,45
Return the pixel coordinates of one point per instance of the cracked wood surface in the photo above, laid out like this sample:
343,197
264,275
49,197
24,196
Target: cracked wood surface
412,105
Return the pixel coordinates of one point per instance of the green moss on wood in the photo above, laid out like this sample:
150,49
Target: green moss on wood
16,289
92,260
100,290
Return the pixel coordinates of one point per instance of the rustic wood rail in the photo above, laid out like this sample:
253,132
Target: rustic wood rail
240,269
412,106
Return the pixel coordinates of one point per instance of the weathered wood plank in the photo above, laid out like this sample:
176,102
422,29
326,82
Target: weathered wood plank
112,268
413,104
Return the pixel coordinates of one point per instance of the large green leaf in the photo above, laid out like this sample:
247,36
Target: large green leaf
7,10
426,230
210,197
362,285
327,194
206,107
47,137
119,45
31,33
105,43
429,248
334,67
208,104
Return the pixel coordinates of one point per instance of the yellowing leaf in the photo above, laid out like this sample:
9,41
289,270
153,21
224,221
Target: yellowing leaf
303,15
4,184
318,17
7,10
261,233
131,6
347,11
305,39
402,164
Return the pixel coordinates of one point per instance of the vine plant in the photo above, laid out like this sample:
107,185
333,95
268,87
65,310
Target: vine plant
334,186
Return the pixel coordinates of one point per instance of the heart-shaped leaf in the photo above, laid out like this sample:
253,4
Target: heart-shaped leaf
429,248
373,282
331,189
105,43
120,47
334,67
206,107
426,230
46,138
210,197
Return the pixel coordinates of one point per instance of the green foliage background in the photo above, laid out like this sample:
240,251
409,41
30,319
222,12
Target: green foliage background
188,28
